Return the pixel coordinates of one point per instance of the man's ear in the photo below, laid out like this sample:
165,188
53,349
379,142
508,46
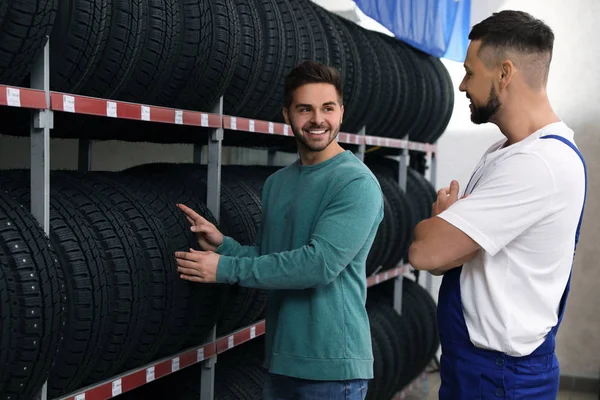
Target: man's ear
507,70
342,116
286,117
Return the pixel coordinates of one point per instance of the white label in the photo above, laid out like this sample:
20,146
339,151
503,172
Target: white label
69,103
251,125
271,127
252,332
376,278
13,97
233,123
179,117
145,113
200,355
175,364
111,109
150,374
385,276
285,130
204,120
117,387
80,396
230,342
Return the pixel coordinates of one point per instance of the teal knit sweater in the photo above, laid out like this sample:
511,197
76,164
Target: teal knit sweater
318,225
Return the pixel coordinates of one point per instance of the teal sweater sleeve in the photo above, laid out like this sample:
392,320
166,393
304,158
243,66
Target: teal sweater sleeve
339,234
231,247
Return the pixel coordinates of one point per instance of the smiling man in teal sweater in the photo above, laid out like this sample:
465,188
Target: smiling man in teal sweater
320,217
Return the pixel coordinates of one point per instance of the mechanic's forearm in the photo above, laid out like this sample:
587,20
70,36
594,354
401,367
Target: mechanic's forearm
452,265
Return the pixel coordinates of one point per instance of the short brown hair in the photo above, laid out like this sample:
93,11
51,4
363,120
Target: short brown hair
310,72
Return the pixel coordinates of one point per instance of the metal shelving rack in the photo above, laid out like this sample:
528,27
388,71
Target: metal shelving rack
44,103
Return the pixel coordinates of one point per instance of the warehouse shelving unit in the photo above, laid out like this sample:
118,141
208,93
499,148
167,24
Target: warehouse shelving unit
43,102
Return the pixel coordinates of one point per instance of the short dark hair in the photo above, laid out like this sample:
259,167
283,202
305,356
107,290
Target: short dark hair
528,40
310,72
514,30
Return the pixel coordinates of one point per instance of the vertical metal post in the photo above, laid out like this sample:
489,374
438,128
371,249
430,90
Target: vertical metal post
402,173
432,179
272,153
84,155
402,179
41,123
199,154
362,147
213,202
433,169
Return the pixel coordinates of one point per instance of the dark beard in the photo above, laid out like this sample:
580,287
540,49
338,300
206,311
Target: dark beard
317,147
482,115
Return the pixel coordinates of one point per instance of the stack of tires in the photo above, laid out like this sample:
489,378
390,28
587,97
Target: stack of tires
188,53
403,345
101,294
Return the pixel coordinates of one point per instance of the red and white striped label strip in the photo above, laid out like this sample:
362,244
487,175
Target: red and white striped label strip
255,125
118,109
21,97
142,376
385,276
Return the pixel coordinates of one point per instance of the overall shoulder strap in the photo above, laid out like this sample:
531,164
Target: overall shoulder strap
576,150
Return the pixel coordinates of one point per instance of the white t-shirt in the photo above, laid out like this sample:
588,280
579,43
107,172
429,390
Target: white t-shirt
523,209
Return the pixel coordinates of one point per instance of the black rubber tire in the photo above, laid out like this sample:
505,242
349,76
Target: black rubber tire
386,347
271,73
31,302
250,60
334,38
86,288
158,265
270,108
370,73
216,63
123,46
159,50
352,81
125,272
203,302
77,42
23,35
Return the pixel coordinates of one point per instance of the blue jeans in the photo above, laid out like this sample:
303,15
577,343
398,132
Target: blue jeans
279,387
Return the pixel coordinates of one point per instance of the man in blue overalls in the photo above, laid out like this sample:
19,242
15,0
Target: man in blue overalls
506,246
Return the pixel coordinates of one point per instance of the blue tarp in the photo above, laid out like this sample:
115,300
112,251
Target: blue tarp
437,27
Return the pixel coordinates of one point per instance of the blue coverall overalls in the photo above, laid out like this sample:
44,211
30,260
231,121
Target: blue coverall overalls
468,372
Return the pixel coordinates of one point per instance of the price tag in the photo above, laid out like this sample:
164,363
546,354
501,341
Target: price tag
251,125
150,374
80,396
230,342
377,279
385,276
252,332
271,127
204,120
13,97
175,364
286,130
117,387
179,117
145,113
111,109
233,123
200,355
69,103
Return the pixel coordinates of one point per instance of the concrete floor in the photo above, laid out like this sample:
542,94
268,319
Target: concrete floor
430,387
